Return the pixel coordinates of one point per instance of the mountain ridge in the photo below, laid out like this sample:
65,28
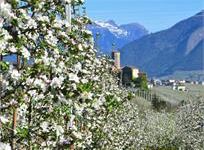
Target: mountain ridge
158,52
112,34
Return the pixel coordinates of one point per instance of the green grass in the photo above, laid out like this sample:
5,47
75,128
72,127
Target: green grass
175,97
196,90
142,103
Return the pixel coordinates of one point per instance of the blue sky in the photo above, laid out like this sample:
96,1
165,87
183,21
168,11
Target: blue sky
155,15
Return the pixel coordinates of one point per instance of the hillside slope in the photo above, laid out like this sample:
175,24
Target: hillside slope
177,48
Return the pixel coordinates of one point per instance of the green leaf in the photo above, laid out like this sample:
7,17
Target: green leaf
85,87
4,66
22,132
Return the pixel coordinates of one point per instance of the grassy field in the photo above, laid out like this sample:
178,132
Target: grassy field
196,90
175,97
142,103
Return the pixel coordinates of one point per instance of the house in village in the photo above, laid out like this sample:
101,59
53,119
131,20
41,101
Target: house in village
150,85
182,81
201,82
179,87
171,81
157,82
128,74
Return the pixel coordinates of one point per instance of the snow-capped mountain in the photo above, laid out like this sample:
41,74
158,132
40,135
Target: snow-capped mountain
110,33
112,27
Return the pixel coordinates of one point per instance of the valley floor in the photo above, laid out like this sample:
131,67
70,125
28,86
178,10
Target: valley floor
174,96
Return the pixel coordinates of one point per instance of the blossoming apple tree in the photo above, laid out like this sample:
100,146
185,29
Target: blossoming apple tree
57,93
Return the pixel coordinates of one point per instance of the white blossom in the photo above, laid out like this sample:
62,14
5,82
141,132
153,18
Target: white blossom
71,122
80,47
66,1
78,67
25,52
5,146
44,125
51,39
77,135
57,82
15,74
4,84
59,130
13,49
3,119
5,34
5,10
73,77
39,83
31,23
84,81
1,23
43,18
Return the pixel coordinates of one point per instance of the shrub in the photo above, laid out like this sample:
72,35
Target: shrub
141,82
158,104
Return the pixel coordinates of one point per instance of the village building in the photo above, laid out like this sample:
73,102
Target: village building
128,74
174,84
171,81
165,82
188,81
182,81
150,85
116,59
174,87
202,83
179,87
156,82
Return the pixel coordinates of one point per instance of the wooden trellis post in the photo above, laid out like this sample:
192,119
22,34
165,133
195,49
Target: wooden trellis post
1,58
15,110
68,12
29,124
72,146
15,114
